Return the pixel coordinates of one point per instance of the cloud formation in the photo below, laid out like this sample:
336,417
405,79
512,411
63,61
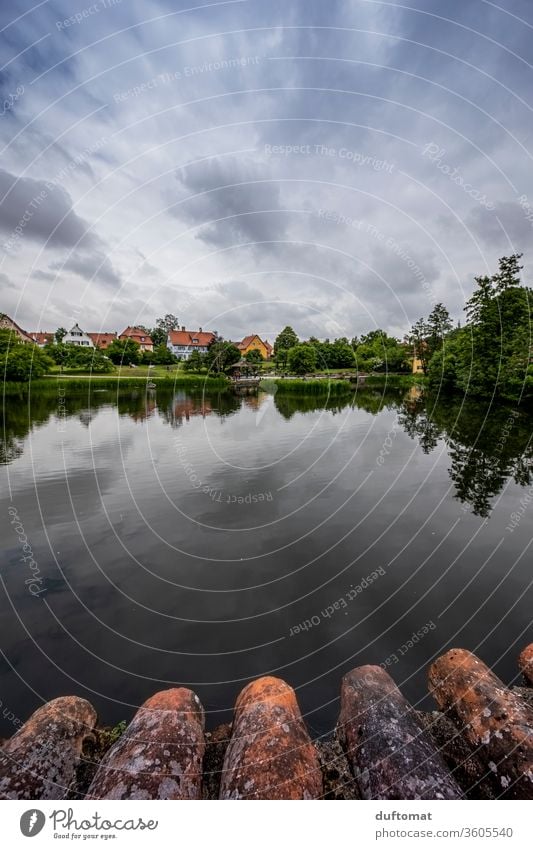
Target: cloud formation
192,151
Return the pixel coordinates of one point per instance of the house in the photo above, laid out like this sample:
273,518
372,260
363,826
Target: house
255,343
102,340
183,342
42,338
139,335
76,336
418,368
7,323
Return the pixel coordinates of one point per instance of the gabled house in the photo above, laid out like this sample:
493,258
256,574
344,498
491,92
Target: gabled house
41,338
183,342
102,340
76,336
7,323
139,335
255,343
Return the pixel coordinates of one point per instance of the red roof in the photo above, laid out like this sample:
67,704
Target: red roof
41,337
102,340
136,333
249,339
198,338
8,323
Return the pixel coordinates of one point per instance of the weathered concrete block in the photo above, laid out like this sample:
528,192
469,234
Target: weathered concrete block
160,754
391,754
40,760
495,721
270,754
525,663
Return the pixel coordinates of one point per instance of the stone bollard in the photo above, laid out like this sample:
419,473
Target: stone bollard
160,754
40,760
525,663
270,754
493,720
391,754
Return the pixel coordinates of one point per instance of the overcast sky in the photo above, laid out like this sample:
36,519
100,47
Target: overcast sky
337,165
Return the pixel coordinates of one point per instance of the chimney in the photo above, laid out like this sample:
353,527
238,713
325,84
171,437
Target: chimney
200,330
183,328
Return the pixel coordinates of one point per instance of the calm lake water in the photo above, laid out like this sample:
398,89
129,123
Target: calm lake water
181,539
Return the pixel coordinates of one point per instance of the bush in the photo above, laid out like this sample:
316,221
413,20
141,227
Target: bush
24,362
301,359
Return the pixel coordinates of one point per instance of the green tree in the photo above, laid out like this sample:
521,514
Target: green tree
439,324
158,336
379,352
8,339
491,354
163,356
285,340
417,338
221,356
23,363
508,274
60,334
254,356
195,362
124,352
167,323
301,359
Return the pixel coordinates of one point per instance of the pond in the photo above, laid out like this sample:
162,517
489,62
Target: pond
154,538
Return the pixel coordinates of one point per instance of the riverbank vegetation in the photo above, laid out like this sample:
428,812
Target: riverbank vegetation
491,355
307,387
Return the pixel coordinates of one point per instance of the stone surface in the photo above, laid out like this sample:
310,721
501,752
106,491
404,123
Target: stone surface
337,776
525,663
391,754
40,760
461,759
270,754
493,720
160,754
216,743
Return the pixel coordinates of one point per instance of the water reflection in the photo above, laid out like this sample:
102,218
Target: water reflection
487,447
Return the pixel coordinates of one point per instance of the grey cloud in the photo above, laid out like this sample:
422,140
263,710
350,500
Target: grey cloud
47,276
230,188
506,227
92,266
6,281
43,213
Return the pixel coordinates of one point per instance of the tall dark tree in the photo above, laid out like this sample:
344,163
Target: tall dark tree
168,322
221,356
285,340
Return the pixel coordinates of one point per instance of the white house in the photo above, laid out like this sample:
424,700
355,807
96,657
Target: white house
76,336
183,342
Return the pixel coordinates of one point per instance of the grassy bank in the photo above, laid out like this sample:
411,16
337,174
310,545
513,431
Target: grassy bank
395,381
83,382
299,386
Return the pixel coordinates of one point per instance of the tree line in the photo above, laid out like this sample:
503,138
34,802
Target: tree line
491,355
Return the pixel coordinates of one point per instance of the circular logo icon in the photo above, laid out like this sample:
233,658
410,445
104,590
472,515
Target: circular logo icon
32,822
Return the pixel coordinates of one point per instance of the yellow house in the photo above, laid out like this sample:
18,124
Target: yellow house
255,343
418,368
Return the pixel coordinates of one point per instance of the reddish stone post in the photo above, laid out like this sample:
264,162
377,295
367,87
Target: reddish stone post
525,663
40,760
270,754
160,754
493,720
